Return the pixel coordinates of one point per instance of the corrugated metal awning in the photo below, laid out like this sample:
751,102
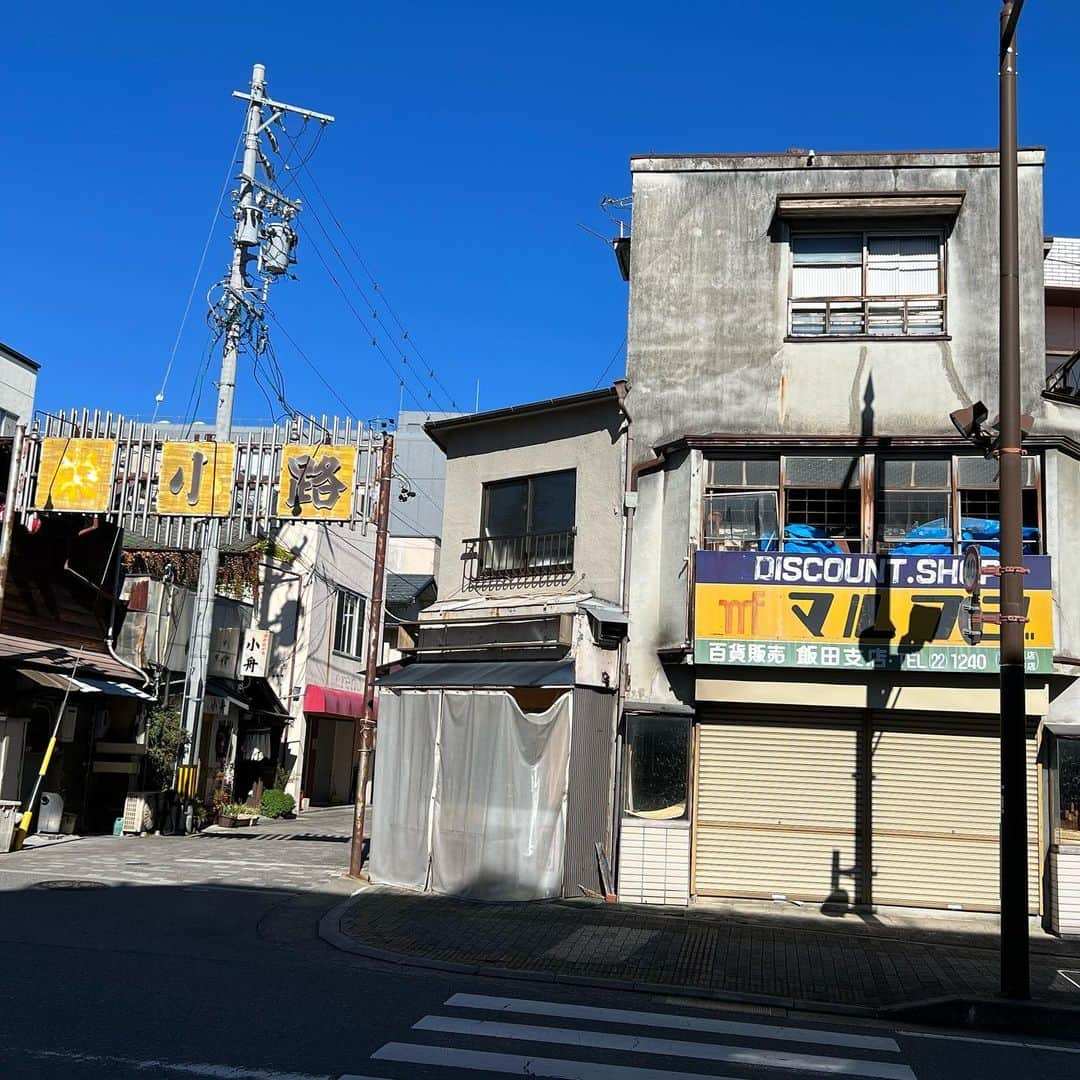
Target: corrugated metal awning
55,681
510,673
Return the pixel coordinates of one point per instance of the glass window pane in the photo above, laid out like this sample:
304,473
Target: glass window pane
826,281
821,471
657,759
727,473
902,265
978,472
506,508
553,498
920,473
815,250
1068,791
915,517
807,319
823,520
741,522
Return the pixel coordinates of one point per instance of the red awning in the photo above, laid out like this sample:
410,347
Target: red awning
327,701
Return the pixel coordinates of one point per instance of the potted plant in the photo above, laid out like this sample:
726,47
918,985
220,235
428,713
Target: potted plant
237,815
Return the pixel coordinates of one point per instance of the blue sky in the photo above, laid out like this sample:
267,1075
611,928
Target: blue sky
470,142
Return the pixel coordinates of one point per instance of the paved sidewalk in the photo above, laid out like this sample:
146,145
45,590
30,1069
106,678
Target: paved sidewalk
773,951
308,853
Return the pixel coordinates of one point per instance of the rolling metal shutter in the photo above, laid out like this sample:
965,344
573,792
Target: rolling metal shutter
775,805
936,809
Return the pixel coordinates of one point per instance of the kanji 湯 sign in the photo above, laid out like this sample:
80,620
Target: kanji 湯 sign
196,478
75,474
854,612
317,482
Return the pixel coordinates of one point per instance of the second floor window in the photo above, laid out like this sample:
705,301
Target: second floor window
528,523
349,623
867,284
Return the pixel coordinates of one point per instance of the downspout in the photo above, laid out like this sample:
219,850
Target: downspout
113,593
112,617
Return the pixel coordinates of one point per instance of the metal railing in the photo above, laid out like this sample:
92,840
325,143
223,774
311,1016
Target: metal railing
525,556
1064,381
867,316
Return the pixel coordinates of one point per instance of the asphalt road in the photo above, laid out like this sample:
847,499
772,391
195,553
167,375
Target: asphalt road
196,972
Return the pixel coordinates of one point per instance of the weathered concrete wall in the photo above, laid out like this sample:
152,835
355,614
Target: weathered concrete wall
1061,482
587,438
709,293
18,381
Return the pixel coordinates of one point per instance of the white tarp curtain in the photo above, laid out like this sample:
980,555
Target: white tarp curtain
404,776
495,801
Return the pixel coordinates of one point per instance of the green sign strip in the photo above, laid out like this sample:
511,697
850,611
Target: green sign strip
934,659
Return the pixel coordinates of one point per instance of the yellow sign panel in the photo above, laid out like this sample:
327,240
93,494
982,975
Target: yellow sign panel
898,617
75,474
317,482
196,479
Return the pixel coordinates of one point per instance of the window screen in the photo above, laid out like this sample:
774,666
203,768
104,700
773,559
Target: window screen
759,473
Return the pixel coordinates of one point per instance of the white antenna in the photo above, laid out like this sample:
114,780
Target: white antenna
477,409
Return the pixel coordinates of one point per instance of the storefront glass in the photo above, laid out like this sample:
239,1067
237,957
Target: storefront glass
1066,782
657,765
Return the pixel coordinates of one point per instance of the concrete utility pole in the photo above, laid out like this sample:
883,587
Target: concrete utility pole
242,301
1015,975
364,737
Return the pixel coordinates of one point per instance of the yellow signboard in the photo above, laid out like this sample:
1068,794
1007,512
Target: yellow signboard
196,479
317,483
75,474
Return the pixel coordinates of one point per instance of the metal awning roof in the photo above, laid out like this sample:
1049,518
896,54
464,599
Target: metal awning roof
55,681
510,674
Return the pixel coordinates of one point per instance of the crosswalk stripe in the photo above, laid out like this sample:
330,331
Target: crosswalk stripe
673,1021
603,1040
523,1065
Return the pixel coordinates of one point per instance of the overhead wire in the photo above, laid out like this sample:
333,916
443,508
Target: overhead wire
614,357
195,280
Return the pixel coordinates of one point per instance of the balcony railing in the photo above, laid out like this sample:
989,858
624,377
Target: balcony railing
526,556
1064,381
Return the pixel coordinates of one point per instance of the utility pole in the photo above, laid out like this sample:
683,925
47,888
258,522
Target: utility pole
1015,975
273,246
364,737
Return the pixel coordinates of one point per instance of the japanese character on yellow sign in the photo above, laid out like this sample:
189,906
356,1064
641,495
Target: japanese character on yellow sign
196,479
317,482
75,474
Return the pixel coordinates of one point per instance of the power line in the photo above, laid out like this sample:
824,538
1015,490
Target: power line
614,357
195,280
450,404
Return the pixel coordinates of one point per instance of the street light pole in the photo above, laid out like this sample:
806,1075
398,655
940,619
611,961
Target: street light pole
1015,976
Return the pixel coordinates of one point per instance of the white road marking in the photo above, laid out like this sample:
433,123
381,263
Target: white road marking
676,1022
989,1042
732,1055
194,1068
555,1068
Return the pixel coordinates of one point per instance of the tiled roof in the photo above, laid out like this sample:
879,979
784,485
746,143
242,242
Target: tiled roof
1061,267
403,589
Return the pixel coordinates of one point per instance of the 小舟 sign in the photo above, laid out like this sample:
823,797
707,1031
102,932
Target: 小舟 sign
855,612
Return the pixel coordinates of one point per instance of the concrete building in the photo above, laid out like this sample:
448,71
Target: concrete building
303,613
18,381
803,718
494,767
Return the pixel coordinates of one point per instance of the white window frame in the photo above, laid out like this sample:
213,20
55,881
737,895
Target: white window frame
355,633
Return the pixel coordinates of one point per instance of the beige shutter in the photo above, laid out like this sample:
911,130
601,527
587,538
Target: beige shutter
936,812
775,806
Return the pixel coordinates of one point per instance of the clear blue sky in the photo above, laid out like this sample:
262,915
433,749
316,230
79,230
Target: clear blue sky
470,141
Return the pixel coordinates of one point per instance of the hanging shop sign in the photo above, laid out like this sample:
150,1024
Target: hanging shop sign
196,478
75,475
316,483
856,612
164,489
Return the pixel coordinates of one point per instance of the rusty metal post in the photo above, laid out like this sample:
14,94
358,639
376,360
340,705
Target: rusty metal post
364,739
8,527
1015,976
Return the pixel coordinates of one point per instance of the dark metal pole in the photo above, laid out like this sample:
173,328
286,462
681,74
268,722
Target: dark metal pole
1015,978
364,743
8,527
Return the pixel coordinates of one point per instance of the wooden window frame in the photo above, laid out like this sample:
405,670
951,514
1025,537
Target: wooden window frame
865,299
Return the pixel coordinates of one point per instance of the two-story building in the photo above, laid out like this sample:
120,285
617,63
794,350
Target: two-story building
494,761
804,718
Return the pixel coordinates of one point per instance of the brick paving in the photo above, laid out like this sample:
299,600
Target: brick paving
869,961
309,853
